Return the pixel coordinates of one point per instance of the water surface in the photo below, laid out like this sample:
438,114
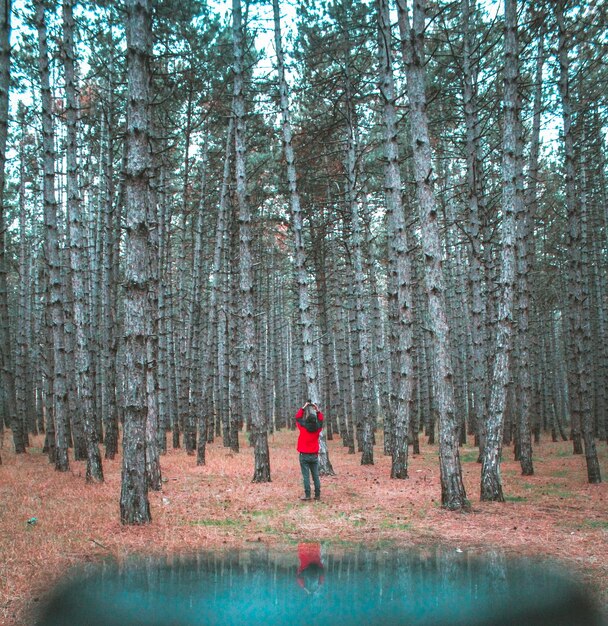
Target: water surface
315,585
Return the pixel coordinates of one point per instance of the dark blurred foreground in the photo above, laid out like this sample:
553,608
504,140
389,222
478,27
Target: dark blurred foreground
310,586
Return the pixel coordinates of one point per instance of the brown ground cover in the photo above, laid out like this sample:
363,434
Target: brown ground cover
51,522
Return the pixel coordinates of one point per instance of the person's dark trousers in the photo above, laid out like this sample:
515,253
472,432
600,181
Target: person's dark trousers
309,463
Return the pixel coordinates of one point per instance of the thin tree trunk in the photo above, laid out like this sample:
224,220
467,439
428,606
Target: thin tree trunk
578,379
109,348
56,313
531,202
164,404
78,258
475,206
453,494
212,343
259,432
134,504
360,320
236,414
491,483
6,364
197,398
304,310
330,390
524,381
153,469
400,273
22,355
524,227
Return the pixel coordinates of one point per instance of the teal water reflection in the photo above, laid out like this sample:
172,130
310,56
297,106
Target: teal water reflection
313,586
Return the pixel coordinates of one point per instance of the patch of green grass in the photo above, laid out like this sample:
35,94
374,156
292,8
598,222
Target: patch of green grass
596,523
356,545
390,525
556,490
227,522
515,499
469,457
560,473
563,453
289,527
263,513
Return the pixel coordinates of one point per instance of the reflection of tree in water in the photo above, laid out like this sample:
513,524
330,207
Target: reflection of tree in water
419,587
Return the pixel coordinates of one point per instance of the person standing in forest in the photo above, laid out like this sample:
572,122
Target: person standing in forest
309,421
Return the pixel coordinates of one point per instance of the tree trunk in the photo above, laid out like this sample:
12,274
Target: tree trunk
109,320
453,494
6,364
475,207
234,335
531,202
134,504
259,433
78,256
305,313
578,377
214,348
52,253
400,273
164,386
491,483
23,352
153,470
524,260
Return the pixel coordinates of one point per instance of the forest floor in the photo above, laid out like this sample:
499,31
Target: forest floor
52,522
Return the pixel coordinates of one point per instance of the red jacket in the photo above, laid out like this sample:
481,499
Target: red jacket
308,443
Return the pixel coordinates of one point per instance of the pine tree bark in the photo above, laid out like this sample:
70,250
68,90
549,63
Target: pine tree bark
304,310
22,354
153,470
78,255
596,221
361,323
7,376
400,273
531,202
491,483
524,380
475,207
578,376
524,259
259,432
164,367
453,496
52,253
215,347
234,352
329,377
134,504
109,407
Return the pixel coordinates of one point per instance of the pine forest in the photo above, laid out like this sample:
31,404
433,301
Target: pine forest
211,213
